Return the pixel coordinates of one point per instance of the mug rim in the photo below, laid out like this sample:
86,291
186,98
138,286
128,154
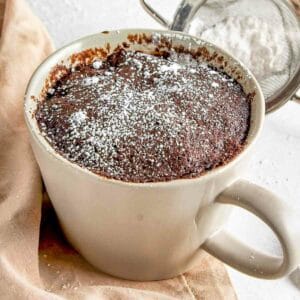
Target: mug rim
256,122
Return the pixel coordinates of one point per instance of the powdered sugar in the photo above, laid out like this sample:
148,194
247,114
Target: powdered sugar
214,84
77,117
97,64
90,80
256,42
174,67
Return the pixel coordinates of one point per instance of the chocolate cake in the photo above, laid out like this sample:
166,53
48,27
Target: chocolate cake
142,117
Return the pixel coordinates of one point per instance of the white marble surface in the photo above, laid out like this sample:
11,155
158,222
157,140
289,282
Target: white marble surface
276,164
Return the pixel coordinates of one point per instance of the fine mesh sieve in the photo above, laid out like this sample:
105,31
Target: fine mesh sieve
275,61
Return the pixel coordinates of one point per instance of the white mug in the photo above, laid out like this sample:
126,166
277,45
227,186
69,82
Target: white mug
152,231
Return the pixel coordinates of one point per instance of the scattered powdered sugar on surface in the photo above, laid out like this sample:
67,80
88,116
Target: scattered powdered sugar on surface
77,118
90,80
97,64
139,117
171,68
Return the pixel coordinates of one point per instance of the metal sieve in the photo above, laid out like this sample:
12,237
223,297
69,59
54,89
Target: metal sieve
196,16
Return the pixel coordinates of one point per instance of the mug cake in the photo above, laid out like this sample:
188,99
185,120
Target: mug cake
145,117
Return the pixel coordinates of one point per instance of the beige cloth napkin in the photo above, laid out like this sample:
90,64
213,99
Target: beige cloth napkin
296,4
40,264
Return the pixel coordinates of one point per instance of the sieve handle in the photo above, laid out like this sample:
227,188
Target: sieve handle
185,12
296,97
154,14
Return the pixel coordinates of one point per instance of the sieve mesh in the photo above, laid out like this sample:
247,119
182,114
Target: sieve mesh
269,15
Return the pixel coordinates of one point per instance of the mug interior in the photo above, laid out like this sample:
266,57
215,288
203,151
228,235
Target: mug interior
146,41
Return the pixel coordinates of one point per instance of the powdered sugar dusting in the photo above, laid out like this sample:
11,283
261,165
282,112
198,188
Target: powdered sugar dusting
140,117
97,64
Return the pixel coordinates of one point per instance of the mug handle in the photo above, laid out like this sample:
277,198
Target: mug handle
270,209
